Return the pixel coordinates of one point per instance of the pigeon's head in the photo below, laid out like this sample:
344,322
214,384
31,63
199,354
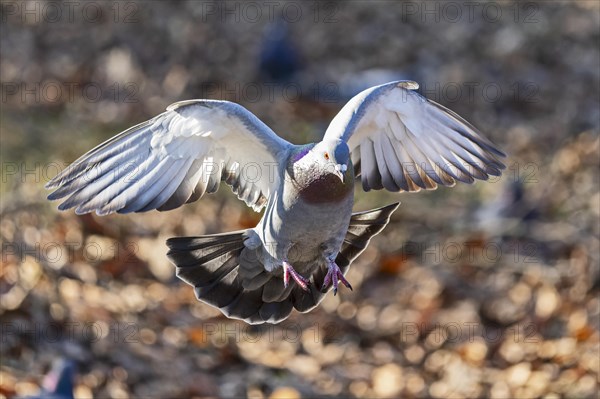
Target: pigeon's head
333,156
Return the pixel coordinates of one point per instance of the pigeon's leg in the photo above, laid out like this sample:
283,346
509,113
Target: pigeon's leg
333,276
288,271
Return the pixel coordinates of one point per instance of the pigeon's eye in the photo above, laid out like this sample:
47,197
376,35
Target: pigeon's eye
326,155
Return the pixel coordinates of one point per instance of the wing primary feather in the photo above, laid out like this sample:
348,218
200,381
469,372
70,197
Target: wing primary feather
473,135
393,162
86,192
465,158
430,161
423,159
370,175
387,179
120,195
89,171
374,175
408,151
98,154
145,192
176,176
215,178
187,188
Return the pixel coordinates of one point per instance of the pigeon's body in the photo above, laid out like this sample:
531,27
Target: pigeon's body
305,190
388,135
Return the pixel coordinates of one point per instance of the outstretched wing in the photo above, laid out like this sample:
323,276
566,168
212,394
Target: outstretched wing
401,141
175,158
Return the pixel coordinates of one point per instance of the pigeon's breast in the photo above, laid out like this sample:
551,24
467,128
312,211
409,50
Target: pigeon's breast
324,188
309,213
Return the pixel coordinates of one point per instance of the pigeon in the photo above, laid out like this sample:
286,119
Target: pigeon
58,383
388,136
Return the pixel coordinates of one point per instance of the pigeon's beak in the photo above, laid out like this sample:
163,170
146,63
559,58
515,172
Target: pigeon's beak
340,170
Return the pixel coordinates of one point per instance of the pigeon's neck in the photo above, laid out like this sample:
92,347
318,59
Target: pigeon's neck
300,152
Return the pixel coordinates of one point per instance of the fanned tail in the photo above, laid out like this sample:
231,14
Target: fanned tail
228,275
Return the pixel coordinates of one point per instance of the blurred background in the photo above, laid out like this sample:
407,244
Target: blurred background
488,290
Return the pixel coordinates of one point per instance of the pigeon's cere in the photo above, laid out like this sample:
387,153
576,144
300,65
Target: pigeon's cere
388,136
341,168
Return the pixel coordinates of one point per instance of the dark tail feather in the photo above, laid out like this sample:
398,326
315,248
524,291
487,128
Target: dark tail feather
363,226
211,264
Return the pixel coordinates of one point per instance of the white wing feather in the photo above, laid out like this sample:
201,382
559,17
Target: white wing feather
401,141
175,158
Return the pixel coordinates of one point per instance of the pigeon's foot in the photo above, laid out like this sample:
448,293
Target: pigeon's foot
288,271
334,275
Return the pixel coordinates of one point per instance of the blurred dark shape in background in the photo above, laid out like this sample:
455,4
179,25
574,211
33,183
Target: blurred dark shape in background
58,382
279,59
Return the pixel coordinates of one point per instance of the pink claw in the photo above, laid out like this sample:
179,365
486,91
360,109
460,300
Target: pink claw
333,276
288,271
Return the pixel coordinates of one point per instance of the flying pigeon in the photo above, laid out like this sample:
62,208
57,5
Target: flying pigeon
389,136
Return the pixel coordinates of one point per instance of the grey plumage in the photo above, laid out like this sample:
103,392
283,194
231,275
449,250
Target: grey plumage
389,136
